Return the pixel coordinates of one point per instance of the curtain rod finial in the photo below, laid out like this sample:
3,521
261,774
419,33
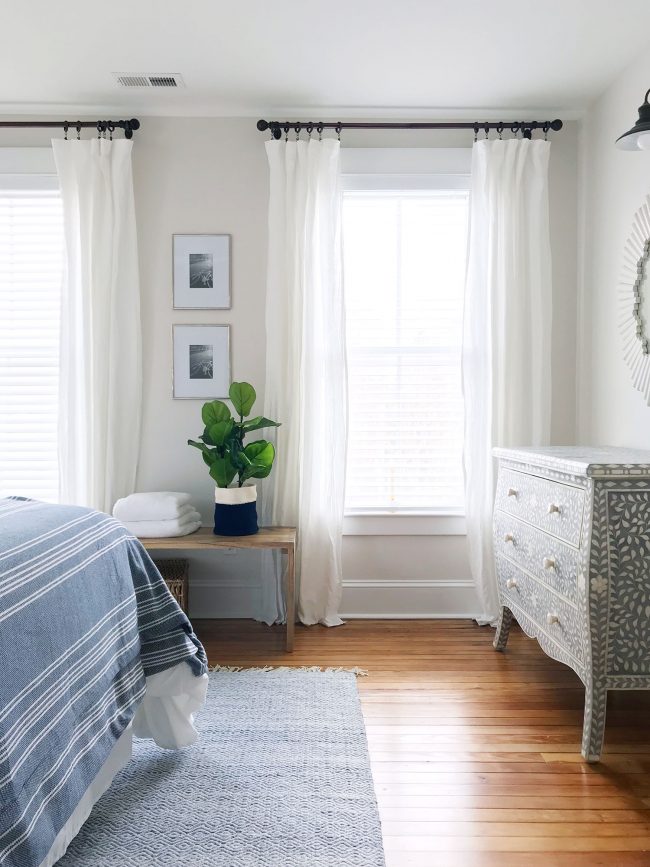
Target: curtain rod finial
556,124
262,125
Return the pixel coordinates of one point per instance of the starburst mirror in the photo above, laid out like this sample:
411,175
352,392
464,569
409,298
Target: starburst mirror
635,300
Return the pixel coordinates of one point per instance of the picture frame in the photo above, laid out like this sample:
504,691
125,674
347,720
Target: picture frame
201,272
201,362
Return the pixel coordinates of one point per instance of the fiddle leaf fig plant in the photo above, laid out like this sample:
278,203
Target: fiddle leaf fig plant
222,441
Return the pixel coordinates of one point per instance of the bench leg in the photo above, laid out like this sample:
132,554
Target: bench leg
290,597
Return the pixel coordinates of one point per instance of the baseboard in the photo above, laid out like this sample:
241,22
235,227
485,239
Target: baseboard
414,600
236,597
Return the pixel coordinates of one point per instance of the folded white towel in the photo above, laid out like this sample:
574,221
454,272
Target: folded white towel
165,529
153,506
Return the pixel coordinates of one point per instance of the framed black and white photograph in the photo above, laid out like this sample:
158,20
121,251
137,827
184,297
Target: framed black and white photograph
201,272
201,361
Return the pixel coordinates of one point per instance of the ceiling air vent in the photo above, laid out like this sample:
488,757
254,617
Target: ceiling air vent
142,79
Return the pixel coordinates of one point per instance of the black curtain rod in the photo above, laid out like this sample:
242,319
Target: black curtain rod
129,126
277,127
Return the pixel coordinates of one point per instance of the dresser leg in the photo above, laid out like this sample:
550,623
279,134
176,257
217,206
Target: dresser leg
503,629
593,730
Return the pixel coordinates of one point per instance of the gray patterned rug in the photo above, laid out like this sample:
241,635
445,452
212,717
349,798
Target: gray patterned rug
280,778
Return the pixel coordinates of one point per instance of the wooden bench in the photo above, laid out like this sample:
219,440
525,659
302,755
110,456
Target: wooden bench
274,538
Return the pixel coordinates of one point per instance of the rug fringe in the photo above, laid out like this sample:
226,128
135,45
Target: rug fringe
265,669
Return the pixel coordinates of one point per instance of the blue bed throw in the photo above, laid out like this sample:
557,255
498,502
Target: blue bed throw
84,617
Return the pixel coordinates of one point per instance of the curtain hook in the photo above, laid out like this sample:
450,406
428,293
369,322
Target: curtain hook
66,126
338,130
297,129
78,130
475,133
486,127
546,128
319,129
500,130
99,129
309,128
286,132
111,127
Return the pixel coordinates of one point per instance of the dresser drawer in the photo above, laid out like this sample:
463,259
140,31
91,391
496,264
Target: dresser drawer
553,615
547,558
549,505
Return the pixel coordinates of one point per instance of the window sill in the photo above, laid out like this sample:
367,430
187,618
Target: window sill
404,524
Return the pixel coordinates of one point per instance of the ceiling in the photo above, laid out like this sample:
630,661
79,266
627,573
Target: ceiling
259,57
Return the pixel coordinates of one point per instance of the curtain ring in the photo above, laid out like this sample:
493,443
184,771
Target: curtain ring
309,128
319,130
338,130
475,133
99,129
66,126
111,128
486,127
78,130
500,131
546,128
297,128
286,132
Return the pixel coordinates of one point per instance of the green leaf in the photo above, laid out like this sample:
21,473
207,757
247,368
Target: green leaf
223,472
215,411
242,395
220,432
258,423
208,455
205,436
261,455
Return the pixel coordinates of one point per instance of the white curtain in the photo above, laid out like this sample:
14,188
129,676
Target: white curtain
100,378
507,334
305,370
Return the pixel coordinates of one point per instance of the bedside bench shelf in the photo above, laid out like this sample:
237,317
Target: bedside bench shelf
268,538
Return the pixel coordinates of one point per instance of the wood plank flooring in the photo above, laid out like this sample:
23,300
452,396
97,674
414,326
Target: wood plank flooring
476,754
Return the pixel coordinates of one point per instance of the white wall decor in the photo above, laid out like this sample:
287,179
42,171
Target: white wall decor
201,272
634,293
201,361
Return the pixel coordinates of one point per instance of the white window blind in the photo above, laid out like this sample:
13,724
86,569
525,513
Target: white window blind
404,269
31,262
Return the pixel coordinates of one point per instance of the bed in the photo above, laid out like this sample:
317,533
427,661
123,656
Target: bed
93,648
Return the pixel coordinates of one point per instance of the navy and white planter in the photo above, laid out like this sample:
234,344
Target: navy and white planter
235,511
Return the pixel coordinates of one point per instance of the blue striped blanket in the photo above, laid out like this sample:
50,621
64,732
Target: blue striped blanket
84,618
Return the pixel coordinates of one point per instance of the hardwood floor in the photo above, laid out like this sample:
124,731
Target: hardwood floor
476,754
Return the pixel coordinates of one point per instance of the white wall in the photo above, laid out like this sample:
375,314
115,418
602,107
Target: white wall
210,175
614,183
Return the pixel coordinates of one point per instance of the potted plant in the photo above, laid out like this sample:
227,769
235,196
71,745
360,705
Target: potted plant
232,464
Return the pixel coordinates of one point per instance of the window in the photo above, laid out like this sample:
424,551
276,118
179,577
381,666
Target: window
405,240
31,261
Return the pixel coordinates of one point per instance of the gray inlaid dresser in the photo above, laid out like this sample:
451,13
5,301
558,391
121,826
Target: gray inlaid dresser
572,546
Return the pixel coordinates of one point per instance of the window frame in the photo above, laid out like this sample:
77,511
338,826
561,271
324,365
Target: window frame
367,169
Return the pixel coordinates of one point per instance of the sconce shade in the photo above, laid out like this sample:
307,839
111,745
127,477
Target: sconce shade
637,138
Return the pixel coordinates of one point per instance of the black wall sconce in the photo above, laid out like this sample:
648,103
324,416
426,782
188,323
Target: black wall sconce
638,138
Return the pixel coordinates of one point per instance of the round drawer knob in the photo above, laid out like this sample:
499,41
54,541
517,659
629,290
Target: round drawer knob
510,583
552,618
512,492
553,509
549,563
508,537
